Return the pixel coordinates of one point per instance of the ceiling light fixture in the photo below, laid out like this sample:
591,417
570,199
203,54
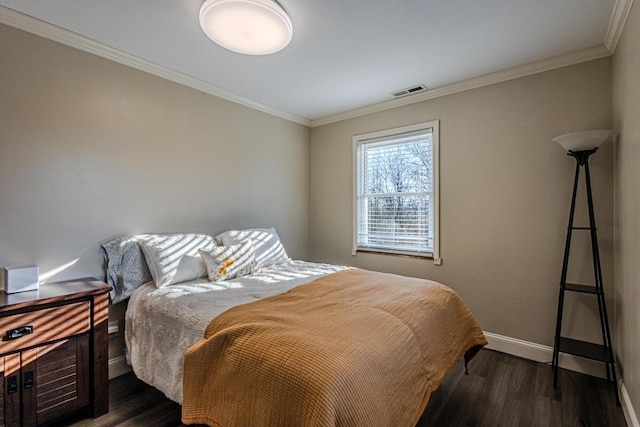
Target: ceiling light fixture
251,27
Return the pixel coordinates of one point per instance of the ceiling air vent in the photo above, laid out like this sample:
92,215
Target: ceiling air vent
409,91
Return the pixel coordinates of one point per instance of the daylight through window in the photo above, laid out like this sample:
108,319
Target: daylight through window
396,191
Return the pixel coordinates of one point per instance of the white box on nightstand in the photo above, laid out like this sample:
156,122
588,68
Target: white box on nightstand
19,279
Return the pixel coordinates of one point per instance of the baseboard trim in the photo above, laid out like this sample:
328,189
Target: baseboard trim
627,407
118,366
544,354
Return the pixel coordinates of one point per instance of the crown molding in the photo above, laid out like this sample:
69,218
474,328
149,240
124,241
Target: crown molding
49,31
44,29
618,18
577,57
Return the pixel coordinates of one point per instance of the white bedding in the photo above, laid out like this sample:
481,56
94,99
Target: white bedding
162,323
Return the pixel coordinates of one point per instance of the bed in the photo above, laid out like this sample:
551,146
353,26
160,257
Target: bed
293,342
161,324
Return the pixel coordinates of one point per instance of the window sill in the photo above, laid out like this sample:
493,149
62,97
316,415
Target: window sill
397,254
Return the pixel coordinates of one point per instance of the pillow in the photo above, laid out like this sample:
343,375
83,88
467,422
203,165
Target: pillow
266,244
174,258
224,263
127,269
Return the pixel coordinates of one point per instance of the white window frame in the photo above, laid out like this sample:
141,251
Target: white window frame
434,127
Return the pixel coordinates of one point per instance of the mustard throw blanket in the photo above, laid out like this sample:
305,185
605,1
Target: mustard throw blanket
354,348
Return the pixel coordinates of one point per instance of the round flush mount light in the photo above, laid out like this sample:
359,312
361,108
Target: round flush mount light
251,27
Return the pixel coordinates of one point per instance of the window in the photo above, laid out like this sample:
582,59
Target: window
396,191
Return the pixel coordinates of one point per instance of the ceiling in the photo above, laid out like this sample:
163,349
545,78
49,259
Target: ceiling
345,55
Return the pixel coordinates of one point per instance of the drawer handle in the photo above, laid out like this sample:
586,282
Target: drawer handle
18,332
12,384
28,379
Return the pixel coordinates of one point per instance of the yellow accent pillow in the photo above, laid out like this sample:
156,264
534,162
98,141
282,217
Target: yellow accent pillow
227,262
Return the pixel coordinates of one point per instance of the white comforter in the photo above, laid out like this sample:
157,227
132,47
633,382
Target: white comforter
162,323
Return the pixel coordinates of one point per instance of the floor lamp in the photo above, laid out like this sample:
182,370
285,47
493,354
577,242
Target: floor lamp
581,145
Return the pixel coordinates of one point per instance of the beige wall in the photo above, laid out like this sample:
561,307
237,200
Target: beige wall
91,150
505,195
626,108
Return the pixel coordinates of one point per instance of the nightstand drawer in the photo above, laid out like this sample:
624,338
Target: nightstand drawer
40,326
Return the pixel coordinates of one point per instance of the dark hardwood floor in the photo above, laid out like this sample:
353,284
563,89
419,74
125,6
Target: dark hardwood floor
503,390
500,390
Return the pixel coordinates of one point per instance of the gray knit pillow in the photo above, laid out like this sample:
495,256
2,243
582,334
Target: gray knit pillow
126,267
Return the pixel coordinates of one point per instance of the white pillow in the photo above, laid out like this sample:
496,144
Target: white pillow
174,258
227,262
266,244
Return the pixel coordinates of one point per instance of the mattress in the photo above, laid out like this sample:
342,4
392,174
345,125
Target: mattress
161,324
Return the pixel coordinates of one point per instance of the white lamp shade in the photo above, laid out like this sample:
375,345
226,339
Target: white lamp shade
251,27
580,141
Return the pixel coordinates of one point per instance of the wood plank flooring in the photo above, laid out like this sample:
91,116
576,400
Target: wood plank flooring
503,390
500,390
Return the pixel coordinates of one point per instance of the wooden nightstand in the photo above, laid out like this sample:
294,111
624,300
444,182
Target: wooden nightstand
54,352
